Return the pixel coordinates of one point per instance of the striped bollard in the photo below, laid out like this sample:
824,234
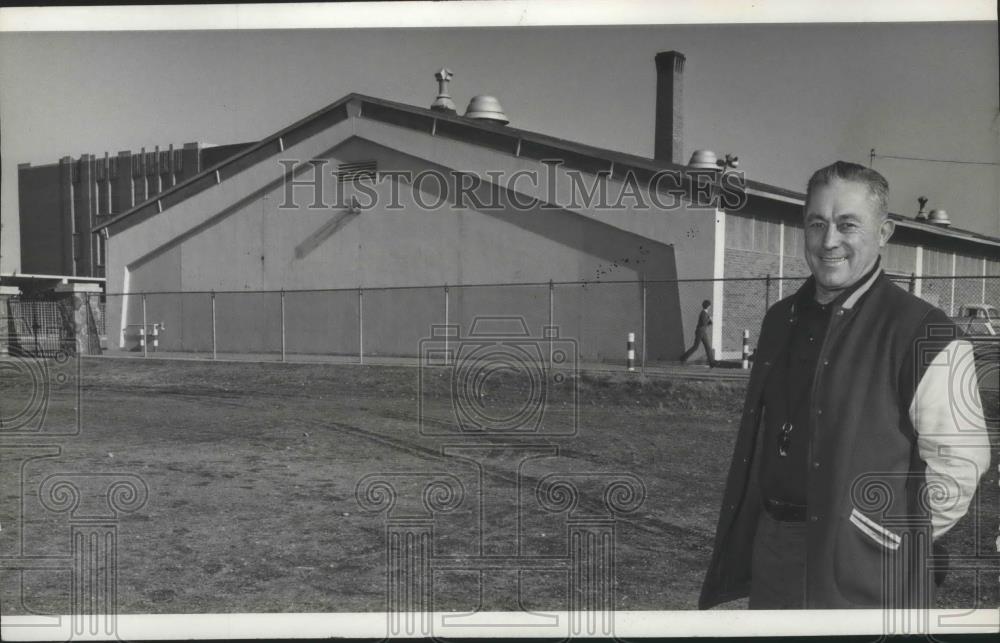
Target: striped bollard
156,337
746,349
631,352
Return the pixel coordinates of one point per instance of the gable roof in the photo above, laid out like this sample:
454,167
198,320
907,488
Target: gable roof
502,139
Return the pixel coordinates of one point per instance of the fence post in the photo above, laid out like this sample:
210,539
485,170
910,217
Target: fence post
361,325
87,318
551,318
913,282
951,307
643,365
282,324
215,354
447,360
142,334
767,292
982,296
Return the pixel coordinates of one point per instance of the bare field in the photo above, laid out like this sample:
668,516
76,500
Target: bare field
252,472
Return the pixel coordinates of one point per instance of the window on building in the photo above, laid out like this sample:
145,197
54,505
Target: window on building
966,266
900,258
755,234
937,263
102,189
737,236
100,249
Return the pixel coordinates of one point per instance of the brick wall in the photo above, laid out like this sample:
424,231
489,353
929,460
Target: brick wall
745,302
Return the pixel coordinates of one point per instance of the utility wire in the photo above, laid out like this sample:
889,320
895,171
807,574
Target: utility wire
874,156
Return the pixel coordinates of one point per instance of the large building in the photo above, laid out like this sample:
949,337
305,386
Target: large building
343,216
59,203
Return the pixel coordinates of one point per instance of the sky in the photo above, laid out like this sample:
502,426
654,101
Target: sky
786,98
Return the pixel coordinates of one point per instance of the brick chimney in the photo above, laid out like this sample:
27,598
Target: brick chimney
669,137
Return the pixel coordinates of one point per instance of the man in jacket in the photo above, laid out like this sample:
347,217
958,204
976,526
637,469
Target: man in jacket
702,335
861,440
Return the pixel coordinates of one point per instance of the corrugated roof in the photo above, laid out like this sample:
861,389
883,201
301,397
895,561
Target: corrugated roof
506,139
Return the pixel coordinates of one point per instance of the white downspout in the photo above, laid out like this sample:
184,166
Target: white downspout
718,272
918,270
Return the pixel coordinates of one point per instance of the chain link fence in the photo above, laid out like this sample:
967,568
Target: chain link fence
372,323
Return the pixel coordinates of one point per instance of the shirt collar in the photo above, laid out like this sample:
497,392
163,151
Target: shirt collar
846,299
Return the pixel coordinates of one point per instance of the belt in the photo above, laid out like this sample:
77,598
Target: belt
785,511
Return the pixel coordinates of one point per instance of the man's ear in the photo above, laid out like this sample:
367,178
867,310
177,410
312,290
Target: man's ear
885,231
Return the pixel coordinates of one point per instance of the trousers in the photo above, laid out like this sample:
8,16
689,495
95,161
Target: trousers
703,337
778,565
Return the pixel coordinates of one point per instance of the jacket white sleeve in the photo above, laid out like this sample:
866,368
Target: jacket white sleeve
952,439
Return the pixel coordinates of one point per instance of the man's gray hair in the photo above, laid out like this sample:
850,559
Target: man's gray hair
878,187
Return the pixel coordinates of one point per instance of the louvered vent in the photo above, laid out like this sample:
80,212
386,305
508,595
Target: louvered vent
353,172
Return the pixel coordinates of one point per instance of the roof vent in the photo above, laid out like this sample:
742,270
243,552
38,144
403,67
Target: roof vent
486,108
939,217
922,213
355,172
443,102
703,160
707,160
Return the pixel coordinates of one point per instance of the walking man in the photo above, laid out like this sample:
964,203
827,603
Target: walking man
861,440
702,334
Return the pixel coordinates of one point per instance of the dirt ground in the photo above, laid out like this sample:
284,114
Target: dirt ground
252,474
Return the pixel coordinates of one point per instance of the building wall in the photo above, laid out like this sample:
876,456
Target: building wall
746,301
762,256
952,278
58,204
937,263
240,239
43,226
753,236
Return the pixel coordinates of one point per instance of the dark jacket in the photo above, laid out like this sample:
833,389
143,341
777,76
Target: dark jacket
867,518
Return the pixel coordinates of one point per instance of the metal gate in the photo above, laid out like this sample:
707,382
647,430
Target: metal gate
43,326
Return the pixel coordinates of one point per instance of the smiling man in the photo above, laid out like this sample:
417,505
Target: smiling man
859,446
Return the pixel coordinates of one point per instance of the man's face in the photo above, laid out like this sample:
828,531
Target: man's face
844,234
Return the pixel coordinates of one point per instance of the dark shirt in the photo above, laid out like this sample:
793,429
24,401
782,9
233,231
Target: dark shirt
704,319
787,396
786,400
